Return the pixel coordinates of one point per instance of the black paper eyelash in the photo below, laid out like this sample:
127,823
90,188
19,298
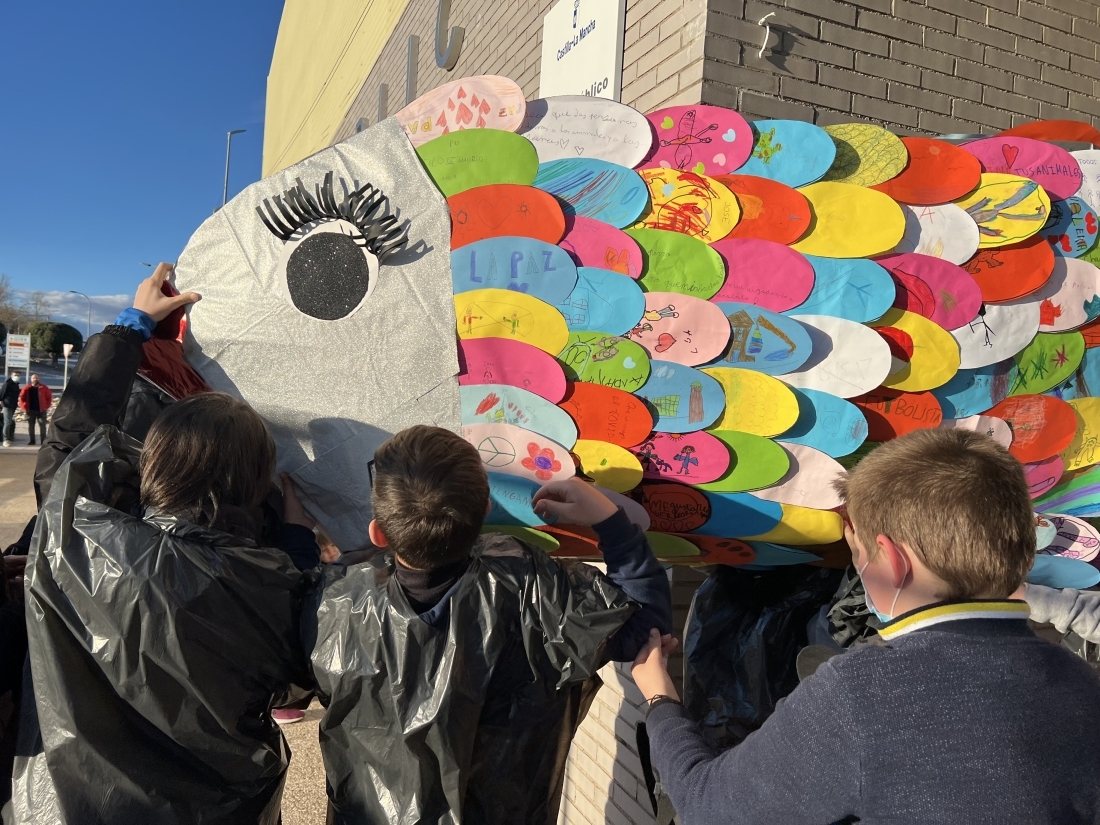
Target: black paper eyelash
367,208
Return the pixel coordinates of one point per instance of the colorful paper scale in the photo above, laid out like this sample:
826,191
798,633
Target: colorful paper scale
710,319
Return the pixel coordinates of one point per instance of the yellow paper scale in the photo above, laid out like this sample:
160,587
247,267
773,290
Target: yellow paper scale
504,313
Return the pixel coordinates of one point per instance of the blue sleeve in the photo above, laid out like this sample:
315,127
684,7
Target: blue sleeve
801,768
137,320
632,567
300,544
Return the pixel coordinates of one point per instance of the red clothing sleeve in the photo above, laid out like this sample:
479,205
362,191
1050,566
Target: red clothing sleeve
23,397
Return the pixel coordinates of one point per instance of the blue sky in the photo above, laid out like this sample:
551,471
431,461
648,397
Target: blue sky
112,135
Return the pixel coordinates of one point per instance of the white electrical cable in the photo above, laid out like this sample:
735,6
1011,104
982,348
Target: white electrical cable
767,32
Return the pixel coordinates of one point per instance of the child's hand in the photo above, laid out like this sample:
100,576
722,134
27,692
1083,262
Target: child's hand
293,511
154,303
573,502
650,668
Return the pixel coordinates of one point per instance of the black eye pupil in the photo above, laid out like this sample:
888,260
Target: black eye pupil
327,275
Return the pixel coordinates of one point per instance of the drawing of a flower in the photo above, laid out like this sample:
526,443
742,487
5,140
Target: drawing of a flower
541,461
487,403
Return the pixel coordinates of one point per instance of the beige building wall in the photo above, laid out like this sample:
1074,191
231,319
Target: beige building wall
323,51
662,60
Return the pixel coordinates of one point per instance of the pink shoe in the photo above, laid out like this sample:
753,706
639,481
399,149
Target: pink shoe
288,716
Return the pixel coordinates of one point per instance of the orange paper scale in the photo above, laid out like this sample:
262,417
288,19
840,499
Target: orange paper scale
1004,273
607,414
1091,333
891,413
938,172
1042,426
714,550
504,209
770,211
672,508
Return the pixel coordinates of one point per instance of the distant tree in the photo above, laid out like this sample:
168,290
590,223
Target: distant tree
14,316
50,336
38,307
3,336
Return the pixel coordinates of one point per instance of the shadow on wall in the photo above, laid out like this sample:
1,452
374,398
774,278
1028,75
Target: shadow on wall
780,42
604,782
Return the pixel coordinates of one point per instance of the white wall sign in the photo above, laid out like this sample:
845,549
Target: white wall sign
582,48
17,354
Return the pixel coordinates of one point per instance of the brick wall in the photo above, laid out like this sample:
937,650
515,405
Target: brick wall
662,52
939,66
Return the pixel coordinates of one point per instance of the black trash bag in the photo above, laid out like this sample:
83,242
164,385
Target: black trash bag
464,714
741,642
850,619
154,662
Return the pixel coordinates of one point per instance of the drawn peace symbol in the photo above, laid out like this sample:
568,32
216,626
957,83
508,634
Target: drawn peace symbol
496,451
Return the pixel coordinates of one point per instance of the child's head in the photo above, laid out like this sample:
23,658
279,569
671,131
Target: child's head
430,496
956,500
204,454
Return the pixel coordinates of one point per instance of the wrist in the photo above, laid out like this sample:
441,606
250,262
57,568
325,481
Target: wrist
137,320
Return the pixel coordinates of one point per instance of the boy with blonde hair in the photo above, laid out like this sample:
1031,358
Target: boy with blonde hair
958,714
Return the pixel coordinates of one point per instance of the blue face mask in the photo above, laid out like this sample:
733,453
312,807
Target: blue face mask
882,617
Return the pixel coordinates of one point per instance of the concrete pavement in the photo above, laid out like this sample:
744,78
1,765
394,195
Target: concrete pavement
16,490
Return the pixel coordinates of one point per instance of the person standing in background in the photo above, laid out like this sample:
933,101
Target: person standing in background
35,400
9,402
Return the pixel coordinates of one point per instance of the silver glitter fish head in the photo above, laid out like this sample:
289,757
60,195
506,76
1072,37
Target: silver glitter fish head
327,305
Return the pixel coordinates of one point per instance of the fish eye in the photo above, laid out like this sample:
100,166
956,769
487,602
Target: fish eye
332,249
326,270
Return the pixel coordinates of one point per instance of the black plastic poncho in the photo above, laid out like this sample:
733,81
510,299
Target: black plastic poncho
156,648
741,641
465,713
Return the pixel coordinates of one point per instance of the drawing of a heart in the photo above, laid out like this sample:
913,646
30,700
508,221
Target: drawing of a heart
668,189
461,93
628,362
494,214
451,105
664,342
666,123
719,160
464,115
1010,152
700,168
1090,223
730,136
481,121
485,106
475,102
579,150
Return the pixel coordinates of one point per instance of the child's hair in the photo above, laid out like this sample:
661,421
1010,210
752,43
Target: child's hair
430,496
205,453
957,499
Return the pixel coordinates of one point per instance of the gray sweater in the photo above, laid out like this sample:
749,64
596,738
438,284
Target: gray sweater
951,719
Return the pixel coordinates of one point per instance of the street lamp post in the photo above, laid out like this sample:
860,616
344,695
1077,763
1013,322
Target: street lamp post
228,147
89,300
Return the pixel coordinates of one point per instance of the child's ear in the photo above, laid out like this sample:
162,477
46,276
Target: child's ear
896,557
377,537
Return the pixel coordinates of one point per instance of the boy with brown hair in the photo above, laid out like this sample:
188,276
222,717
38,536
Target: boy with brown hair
958,714
456,672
